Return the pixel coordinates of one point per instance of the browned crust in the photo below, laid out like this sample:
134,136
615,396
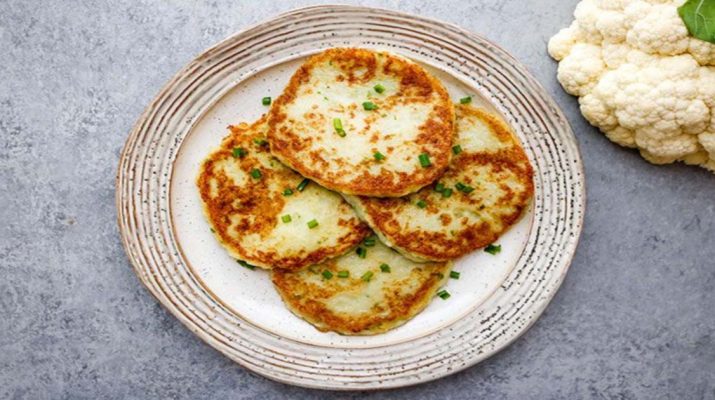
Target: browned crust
264,205
380,213
417,85
394,311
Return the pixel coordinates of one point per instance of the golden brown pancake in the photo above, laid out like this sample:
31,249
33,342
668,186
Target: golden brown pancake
262,214
363,122
483,192
361,295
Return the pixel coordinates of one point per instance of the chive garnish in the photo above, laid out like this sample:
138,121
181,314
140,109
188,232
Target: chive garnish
266,101
246,265
361,252
239,152
439,187
456,149
343,274
465,100
384,268
493,249
327,274
369,242
286,218
454,274
379,88
312,223
446,193
256,173
369,106
463,188
424,160
212,230
338,125
378,156
260,141
444,294
303,184
421,204
288,192
366,276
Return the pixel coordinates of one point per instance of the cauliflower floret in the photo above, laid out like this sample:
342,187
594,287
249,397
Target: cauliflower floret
706,85
611,25
707,140
580,71
660,31
615,5
703,51
586,16
560,45
640,78
615,55
622,136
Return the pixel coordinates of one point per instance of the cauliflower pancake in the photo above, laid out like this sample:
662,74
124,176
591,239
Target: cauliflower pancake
365,292
263,215
363,122
484,191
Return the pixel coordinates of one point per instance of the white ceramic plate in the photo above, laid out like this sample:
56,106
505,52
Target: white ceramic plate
237,311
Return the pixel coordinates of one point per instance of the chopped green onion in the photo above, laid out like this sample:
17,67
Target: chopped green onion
385,268
454,274
369,106
456,149
465,100
338,125
286,218
246,265
378,156
260,141
312,223
303,184
421,204
379,88
424,160
266,101
439,187
327,274
361,252
366,276
493,249
212,230
369,242
463,188
288,192
444,294
343,274
446,193
239,152
256,173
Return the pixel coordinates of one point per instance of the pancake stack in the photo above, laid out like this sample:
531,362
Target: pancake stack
359,188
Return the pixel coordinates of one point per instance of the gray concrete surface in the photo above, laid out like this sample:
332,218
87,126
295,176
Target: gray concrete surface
635,318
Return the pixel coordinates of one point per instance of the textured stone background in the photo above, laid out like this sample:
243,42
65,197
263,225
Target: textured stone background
635,317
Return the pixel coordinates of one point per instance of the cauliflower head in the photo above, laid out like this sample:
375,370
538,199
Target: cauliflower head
640,78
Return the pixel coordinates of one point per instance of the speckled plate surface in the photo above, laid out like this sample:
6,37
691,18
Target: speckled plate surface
236,310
